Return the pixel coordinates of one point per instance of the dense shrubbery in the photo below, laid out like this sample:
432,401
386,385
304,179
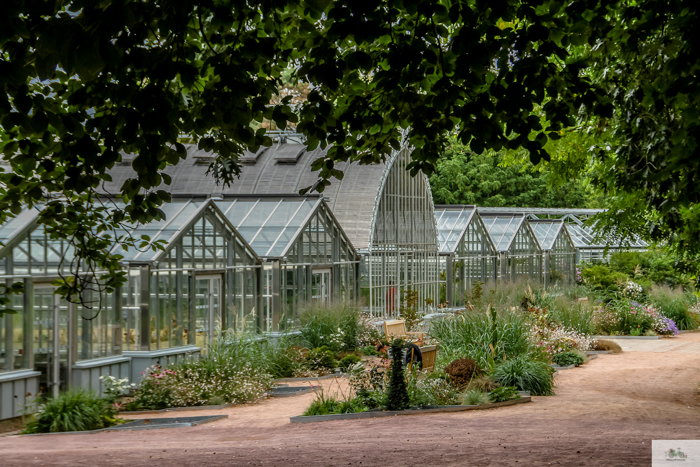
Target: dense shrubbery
73,411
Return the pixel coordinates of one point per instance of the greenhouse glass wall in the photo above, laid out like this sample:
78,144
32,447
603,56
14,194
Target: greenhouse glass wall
520,255
171,305
466,251
386,214
580,223
308,259
559,251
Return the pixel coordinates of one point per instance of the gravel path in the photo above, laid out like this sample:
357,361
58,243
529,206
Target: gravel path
605,413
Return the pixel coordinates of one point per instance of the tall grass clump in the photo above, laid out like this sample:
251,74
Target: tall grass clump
475,336
73,411
527,375
575,316
674,304
336,326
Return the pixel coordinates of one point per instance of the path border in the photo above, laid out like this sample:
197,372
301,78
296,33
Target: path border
430,409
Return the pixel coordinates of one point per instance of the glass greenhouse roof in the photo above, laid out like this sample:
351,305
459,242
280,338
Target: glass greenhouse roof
269,225
17,224
503,228
547,231
451,223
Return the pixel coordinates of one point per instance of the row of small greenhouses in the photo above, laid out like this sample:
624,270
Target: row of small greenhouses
251,256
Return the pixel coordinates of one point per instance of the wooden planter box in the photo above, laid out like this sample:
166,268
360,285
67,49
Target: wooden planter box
429,352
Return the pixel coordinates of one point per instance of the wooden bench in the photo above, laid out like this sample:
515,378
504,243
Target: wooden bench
397,329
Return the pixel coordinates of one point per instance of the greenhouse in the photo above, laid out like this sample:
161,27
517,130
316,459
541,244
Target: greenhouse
307,256
467,253
520,255
174,301
559,251
590,246
386,213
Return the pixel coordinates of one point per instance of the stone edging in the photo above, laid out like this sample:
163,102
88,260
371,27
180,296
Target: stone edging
213,418
178,409
433,409
627,337
300,380
599,352
295,393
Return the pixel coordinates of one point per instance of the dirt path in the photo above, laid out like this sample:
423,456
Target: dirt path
605,413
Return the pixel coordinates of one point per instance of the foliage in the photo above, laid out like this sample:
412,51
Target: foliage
369,350
552,338
676,305
475,397
462,371
321,359
504,393
340,327
568,358
424,391
77,95
463,177
473,336
199,382
601,276
574,316
397,393
113,387
533,376
409,309
73,411
347,361
606,345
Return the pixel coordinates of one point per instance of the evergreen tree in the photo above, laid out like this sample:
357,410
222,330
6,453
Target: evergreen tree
397,397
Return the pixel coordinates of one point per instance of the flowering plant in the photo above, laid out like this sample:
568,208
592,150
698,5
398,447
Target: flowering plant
113,387
554,338
633,291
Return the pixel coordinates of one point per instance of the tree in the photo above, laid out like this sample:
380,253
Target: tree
82,82
462,177
397,393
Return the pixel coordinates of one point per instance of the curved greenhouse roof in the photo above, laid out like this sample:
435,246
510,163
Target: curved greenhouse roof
281,169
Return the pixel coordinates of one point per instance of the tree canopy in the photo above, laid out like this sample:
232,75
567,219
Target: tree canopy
462,177
83,81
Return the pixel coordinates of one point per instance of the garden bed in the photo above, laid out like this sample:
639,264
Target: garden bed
148,424
525,397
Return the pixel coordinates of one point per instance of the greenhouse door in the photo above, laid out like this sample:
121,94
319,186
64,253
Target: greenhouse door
207,308
321,286
50,339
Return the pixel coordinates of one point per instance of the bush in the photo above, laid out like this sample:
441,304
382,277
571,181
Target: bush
321,358
606,345
532,376
397,393
475,397
504,393
568,358
674,304
476,337
347,361
73,411
369,350
483,383
462,371
601,276
573,316
340,327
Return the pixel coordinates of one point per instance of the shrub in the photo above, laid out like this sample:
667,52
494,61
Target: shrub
321,358
601,276
475,336
347,361
73,411
475,397
340,327
484,383
532,376
573,316
462,371
369,350
673,304
397,393
606,345
568,358
504,393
